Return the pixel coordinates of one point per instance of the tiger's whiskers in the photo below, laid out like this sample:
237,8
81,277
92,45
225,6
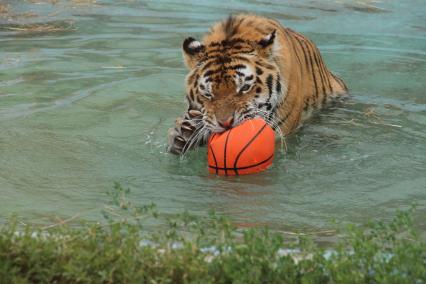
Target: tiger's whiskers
195,139
274,124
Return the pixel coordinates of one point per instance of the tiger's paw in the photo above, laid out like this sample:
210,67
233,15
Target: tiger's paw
181,133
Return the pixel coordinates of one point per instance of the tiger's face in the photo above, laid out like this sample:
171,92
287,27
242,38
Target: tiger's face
232,80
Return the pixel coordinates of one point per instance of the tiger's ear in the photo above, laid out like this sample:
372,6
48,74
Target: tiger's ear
192,50
266,45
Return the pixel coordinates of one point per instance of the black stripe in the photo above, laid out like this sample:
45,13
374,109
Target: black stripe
283,101
265,64
191,77
314,77
241,58
278,86
224,151
242,168
217,70
325,70
238,47
207,65
269,83
208,73
245,112
245,147
305,57
282,120
223,68
325,74
269,66
228,42
324,91
225,52
235,67
308,69
340,81
292,45
232,51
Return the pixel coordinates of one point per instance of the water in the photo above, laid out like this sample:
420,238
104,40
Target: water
82,108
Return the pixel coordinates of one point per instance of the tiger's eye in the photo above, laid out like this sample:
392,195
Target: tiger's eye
245,88
207,95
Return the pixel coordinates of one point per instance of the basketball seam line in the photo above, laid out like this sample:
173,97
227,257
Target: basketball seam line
242,168
224,151
215,161
245,147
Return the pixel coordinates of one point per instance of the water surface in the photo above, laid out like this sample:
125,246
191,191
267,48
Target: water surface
87,99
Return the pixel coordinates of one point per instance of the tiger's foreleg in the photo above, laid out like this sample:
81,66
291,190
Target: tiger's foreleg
179,140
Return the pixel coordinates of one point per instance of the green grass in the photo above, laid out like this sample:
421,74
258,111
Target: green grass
204,250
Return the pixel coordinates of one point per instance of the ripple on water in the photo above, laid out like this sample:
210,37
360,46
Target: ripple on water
90,104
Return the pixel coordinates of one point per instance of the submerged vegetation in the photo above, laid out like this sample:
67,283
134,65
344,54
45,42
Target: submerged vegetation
204,250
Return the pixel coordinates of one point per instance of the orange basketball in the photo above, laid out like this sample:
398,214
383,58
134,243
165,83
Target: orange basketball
245,149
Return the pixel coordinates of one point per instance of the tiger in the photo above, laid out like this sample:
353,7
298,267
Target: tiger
250,66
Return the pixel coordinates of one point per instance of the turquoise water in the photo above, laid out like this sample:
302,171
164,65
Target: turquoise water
91,104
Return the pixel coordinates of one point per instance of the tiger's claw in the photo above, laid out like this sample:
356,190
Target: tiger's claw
194,113
180,134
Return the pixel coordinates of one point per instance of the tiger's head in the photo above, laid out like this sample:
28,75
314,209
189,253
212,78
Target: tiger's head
233,75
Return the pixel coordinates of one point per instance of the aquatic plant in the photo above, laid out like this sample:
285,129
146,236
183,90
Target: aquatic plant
204,250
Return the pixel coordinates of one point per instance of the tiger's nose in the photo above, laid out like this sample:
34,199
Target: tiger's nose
227,123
